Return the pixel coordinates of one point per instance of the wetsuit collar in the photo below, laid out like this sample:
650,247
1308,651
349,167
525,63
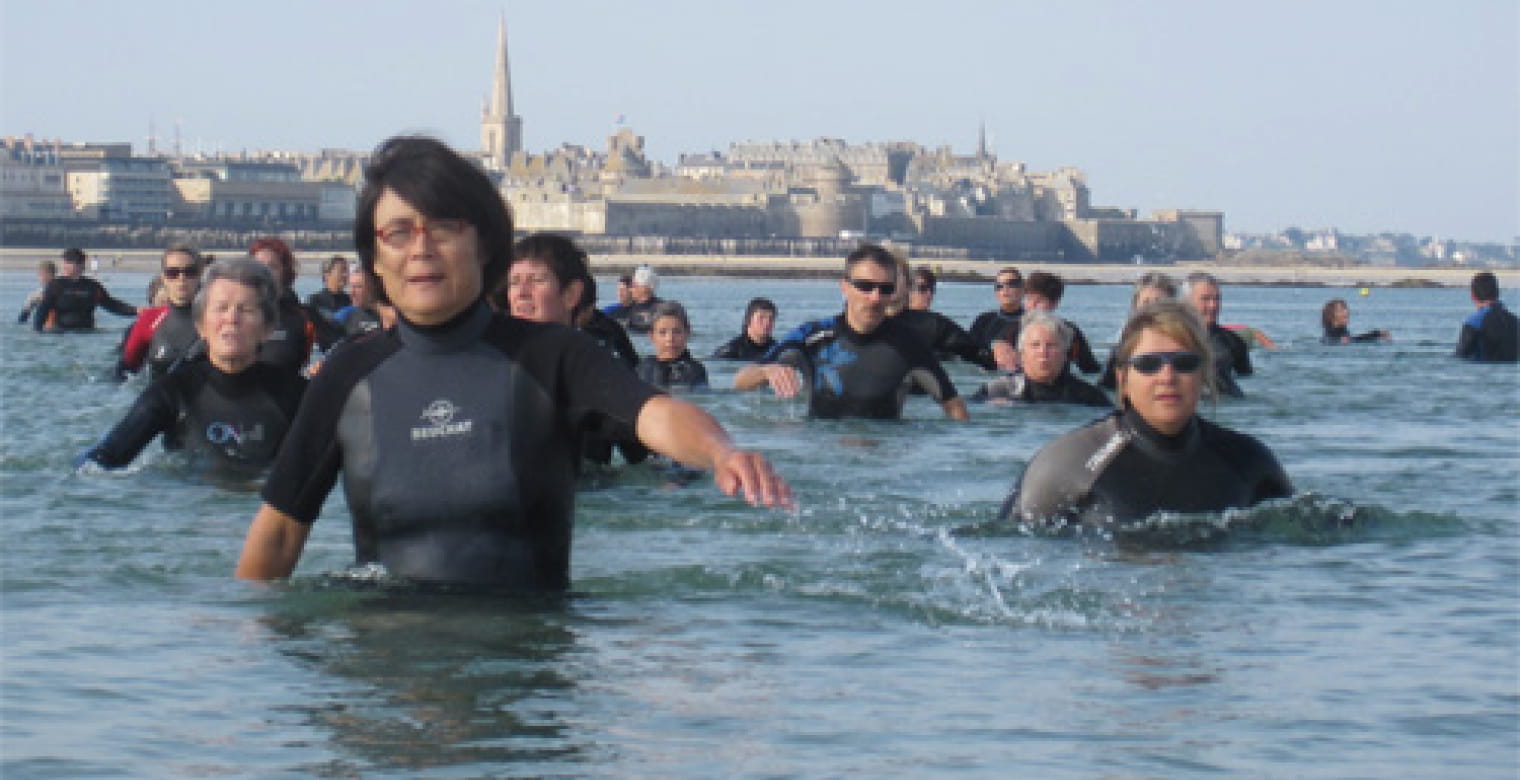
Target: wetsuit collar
1156,440
450,336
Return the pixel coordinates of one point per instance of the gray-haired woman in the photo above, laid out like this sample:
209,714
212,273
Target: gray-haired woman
225,406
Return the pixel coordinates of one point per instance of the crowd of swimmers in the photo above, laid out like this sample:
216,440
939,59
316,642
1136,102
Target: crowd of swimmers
464,381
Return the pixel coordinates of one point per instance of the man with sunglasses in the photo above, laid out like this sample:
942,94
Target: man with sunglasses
995,332
164,335
859,363
942,333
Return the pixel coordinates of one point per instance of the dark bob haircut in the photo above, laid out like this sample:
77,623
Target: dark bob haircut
565,260
438,182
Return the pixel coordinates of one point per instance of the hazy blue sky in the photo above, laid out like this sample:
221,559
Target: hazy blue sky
1365,115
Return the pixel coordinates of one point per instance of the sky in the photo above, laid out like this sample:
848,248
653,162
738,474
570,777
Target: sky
1364,115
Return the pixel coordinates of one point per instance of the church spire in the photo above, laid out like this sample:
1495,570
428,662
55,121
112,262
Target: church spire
500,127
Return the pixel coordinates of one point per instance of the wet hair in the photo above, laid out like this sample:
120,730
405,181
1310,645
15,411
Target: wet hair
755,305
1327,313
441,184
73,255
1047,285
870,253
923,275
1153,280
1197,278
186,250
1009,270
1175,320
244,271
671,309
567,261
1060,327
334,262
286,257
1485,286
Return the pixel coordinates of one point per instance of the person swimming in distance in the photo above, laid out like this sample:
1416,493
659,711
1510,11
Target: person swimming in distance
290,342
1232,357
1335,317
47,271
1045,367
639,316
861,362
225,406
671,367
993,331
754,339
455,430
1155,453
1044,290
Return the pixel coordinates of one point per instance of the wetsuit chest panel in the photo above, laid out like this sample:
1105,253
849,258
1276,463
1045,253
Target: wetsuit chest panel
234,422
445,468
171,340
856,378
74,308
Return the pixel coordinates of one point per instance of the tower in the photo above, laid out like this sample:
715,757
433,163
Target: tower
500,128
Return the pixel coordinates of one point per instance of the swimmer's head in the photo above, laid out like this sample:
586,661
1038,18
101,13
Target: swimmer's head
1175,320
277,256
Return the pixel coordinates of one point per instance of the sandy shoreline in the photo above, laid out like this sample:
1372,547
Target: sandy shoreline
753,266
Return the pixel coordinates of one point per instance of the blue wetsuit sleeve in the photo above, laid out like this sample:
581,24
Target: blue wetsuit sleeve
1468,341
154,413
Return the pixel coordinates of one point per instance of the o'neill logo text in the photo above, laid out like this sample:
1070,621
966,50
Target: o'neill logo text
440,417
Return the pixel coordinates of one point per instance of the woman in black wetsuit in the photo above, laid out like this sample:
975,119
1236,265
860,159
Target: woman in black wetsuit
455,432
1336,319
225,406
1156,453
754,339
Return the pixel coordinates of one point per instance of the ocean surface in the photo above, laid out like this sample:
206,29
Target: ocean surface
1367,628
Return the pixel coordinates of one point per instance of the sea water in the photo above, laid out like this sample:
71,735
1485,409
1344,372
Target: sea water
1368,627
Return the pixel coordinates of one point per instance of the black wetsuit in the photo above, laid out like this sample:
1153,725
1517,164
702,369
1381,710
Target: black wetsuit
1232,357
458,445
640,316
358,320
322,309
1066,389
607,332
289,344
1082,356
1340,334
946,338
741,348
861,375
1490,335
992,325
683,373
1119,469
69,304
236,421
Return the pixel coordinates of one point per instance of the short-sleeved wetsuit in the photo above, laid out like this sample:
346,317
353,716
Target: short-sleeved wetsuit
1066,389
236,421
683,373
741,347
861,374
1490,335
1119,469
458,445
161,337
69,304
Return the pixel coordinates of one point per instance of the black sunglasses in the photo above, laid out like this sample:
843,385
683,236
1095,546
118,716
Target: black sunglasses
1016,284
923,288
885,288
173,272
1151,362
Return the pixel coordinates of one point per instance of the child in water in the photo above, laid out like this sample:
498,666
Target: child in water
671,367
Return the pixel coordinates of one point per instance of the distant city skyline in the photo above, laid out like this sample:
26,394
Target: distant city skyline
1365,116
